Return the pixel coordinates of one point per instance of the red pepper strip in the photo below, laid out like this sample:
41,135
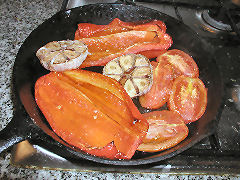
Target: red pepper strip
86,30
119,112
114,88
105,48
80,119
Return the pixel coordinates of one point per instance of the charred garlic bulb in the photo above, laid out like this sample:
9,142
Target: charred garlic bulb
133,71
62,55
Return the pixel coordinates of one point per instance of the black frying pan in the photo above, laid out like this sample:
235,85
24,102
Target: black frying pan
29,123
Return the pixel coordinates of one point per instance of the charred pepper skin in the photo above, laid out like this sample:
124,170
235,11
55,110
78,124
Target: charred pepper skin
107,42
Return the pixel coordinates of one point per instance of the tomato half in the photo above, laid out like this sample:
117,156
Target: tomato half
159,93
188,98
166,129
182,63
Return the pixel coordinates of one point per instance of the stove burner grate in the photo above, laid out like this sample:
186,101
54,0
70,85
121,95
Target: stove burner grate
223,20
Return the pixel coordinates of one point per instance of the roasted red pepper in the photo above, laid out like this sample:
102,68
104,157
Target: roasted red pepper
106,42
91,112
86,30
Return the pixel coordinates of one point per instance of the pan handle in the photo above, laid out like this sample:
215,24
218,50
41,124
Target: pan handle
17,130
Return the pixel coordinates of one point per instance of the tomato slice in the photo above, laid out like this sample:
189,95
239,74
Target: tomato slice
166,129
159,93
188,98
182,63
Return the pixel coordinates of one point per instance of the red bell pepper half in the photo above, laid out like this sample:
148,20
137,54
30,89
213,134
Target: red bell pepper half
91,112
106,42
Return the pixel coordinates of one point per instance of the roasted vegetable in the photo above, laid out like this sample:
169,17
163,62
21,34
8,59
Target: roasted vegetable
166,129
62,55
159,93
105,44
90,111
86,30
133,71
181,62
188,98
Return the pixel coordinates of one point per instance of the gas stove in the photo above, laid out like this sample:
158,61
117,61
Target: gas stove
218,23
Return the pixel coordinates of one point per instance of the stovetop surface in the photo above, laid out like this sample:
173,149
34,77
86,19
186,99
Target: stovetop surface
218,153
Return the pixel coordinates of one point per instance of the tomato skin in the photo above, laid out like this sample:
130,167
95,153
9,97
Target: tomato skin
166,129
182,63
159,93
188,98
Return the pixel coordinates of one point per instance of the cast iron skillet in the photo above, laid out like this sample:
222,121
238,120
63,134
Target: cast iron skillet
29,123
